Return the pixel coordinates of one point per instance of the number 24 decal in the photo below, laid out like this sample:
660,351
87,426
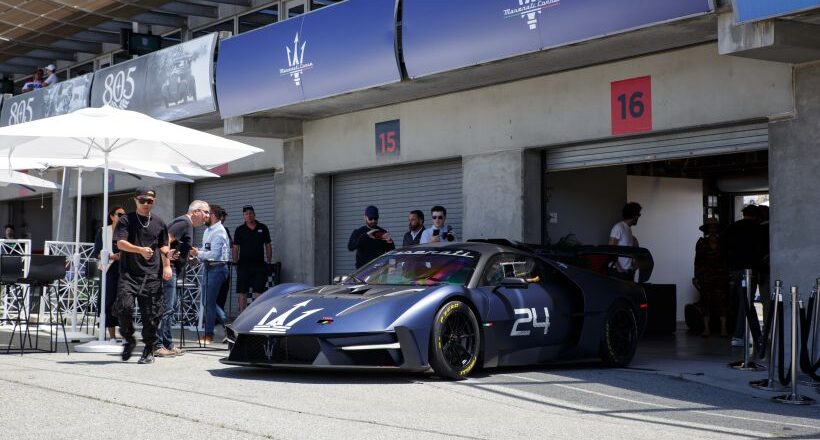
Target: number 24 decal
530,316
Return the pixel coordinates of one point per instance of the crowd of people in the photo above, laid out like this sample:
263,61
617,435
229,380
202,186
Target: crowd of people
721,260
147,255
44,77
371,240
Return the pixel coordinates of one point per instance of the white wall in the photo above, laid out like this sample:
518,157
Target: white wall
668,227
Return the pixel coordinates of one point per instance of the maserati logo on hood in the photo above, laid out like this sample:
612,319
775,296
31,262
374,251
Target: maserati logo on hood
284,321
530,10
296,62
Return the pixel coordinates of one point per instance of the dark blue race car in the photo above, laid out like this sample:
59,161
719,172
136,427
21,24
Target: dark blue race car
450,308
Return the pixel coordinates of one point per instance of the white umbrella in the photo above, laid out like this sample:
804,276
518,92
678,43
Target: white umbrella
121,136
9,177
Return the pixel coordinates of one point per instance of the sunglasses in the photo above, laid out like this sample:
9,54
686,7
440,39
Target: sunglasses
438,217
145,201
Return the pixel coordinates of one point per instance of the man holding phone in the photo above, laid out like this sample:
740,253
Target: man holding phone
439,233
371,240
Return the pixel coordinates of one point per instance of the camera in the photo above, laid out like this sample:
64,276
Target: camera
378,234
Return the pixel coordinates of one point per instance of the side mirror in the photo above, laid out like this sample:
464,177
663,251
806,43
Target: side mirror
514,283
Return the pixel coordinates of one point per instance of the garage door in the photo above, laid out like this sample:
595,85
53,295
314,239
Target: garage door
707,142
395,191
232,193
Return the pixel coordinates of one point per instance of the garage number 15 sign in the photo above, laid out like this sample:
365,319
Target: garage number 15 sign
631,105
388,138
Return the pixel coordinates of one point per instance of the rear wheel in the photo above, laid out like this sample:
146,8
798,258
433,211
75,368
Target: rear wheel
455,341
620,339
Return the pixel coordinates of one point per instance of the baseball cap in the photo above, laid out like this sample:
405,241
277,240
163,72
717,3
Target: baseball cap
371,212
51,67
145,191
248,208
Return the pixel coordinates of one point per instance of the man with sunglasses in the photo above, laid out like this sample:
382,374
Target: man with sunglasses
142,239
440,232
371,240
180,239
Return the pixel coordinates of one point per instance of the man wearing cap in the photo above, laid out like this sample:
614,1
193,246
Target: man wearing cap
51,75
371,240
251,250
180,240
142,239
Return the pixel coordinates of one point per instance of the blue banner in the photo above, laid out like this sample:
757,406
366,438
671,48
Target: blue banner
337,49
57,99
752,10
438,36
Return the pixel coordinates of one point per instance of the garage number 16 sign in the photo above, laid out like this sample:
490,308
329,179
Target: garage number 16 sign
388,138
631,105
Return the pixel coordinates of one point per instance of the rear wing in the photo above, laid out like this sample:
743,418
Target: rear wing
596,258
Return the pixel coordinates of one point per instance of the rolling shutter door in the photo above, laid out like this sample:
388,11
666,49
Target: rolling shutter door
707,142
395,191
232,193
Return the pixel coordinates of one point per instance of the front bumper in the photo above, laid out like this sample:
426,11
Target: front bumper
396,350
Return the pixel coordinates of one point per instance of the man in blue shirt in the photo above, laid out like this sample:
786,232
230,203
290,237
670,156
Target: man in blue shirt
216,255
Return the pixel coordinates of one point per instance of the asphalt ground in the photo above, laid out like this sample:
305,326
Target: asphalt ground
194,396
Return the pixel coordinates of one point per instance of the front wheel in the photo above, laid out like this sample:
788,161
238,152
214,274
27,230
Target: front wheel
455,341
620,339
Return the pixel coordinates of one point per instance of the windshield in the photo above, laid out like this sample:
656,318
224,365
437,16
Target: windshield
418,268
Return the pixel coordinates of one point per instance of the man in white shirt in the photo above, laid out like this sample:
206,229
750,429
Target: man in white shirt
51,75
215,253
621,235
439,233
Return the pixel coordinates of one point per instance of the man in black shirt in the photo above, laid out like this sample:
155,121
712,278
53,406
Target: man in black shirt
142,239
180,239
743,251
371,240
416,226
251,250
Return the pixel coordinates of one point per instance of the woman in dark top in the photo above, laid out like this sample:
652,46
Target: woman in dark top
112,276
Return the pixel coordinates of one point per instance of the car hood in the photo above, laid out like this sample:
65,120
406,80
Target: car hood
330,309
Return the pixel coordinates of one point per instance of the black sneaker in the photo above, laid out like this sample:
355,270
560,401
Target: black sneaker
128,348
147,356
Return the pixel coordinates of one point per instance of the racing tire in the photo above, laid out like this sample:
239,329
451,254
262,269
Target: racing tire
455,339
620,336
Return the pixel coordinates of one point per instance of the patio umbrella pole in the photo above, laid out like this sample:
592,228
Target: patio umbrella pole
106,248
75,259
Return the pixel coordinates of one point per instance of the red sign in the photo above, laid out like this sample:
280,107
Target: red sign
631,104
388,138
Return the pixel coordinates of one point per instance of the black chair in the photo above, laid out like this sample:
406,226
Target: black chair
43,271
11,271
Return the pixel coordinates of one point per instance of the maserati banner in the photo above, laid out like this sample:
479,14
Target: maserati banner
334,50
170,84
58,99
753,10
438,36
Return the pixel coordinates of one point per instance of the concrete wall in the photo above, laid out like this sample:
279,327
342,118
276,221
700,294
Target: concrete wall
585,202
691,87
497,181
668,227
794,174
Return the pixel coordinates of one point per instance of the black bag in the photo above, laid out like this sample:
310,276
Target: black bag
693,313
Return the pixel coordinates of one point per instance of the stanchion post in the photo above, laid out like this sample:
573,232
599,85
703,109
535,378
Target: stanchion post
746,364
771,383
794,398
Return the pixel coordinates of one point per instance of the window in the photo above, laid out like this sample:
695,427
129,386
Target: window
513,266
258,19
316,4
226,25
294,8
171,39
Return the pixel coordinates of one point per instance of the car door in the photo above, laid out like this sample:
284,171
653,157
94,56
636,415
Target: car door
520,318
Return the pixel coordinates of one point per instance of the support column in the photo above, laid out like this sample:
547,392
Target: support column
502,196
794,175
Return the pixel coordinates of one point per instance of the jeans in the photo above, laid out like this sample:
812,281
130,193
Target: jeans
164,338
215,276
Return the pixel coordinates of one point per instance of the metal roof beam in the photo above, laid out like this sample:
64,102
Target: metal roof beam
156,18
190,9
9,68
97,37
78,46
245,3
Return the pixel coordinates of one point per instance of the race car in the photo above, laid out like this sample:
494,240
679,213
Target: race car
451,308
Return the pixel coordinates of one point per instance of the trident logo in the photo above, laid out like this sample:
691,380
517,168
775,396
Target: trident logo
296,61
532,21
280,324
